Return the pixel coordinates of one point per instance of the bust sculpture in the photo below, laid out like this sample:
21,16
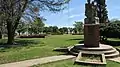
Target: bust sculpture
91,12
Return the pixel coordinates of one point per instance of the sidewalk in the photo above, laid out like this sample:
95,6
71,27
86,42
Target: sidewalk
32,62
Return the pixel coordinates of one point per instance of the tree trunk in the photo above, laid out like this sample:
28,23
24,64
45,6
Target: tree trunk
10,33
19,33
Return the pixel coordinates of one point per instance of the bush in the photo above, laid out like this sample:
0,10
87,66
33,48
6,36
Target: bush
57,34
112,30
33,36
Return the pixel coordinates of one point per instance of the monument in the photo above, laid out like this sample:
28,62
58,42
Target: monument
91,52
91,34
91,26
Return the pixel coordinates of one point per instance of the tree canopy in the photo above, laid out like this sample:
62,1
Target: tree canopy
78,26
15,10
102,11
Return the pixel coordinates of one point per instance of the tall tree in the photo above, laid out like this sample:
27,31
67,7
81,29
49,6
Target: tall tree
50,29
75,30
70,30
102,11
55,29
61,30
46,30
13,10
78,26
65,29
21,28
37,25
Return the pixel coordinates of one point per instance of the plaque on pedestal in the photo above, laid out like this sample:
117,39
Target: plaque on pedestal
91,35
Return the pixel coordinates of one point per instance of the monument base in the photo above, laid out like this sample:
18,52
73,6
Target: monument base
91,35
108,51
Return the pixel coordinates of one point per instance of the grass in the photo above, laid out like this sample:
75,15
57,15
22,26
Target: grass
90,58
70,63
41,47
112,41
36,47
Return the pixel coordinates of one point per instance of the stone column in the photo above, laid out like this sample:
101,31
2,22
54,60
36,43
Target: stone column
91,35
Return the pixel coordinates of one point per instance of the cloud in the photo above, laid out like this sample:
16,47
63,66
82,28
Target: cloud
115,17
76,15
66,26
72,16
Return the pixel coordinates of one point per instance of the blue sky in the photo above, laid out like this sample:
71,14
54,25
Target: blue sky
75,12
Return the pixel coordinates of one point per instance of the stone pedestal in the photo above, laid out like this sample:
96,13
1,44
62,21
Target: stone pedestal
91,35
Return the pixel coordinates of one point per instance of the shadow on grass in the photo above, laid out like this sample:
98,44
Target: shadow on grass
112,43
81,40
89,65
77,39
26,42
18,44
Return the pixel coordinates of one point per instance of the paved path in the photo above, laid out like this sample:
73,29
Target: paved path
32,62
116,59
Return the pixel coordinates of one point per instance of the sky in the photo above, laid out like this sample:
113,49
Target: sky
75,12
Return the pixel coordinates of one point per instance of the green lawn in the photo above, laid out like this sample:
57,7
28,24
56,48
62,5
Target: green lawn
42,47
70,63
115,42
36,47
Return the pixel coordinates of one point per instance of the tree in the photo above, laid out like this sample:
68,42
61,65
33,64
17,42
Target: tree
65,29
61,30
30,29
14,10
103,32
50,29
102,11
70,30
2,28
75,30
21,28
37,25
46,30
1,23
0,35
111,30
0,31
78,26
55,29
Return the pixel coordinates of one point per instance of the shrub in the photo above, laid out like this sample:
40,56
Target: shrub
112,30
33,36
57,34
